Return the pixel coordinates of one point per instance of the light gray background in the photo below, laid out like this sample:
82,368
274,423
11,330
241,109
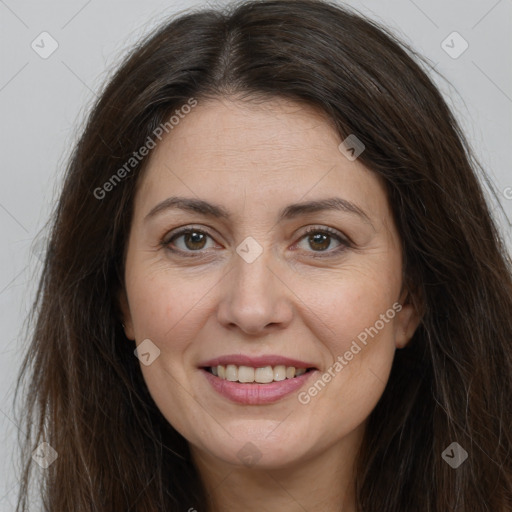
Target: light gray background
44,101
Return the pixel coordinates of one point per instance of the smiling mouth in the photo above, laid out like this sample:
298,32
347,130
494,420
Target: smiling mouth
251,375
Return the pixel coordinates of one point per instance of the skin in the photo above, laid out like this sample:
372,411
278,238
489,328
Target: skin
254,159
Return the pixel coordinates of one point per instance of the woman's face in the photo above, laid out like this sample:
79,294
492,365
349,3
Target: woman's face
249,294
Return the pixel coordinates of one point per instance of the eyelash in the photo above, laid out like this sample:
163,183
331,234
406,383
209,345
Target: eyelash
344,242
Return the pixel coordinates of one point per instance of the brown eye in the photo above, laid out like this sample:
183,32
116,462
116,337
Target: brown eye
193,240
320,240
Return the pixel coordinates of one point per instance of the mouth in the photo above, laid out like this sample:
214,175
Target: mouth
256,381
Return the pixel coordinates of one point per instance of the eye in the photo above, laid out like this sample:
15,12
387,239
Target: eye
320,239
193,240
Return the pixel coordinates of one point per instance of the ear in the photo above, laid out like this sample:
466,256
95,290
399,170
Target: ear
126,317
406,320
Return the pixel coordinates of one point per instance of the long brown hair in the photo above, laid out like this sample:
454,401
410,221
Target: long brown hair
85,393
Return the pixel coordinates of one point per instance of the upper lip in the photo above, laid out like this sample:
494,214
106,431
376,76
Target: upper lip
255,361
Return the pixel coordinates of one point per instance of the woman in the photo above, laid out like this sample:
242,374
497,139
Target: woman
272,282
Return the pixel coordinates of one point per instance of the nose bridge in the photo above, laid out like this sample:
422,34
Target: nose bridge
252,278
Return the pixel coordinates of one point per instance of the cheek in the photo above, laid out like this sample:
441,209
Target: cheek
167,310
361,338
357,330
164,306
341,307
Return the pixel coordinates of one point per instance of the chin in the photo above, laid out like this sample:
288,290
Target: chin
254,447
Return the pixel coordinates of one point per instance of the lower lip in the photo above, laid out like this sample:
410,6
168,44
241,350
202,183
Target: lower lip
256,394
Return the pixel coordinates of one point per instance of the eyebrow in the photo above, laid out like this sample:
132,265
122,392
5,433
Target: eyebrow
289,212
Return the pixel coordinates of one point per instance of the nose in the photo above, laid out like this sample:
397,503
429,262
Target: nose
255,298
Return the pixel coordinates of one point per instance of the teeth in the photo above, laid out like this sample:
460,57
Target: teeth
231,372
280,372
263,375
290,372
246,374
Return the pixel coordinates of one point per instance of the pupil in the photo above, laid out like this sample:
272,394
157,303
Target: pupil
319,237
195,238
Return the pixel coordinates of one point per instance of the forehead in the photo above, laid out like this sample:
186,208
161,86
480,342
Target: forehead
264,154
254,133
